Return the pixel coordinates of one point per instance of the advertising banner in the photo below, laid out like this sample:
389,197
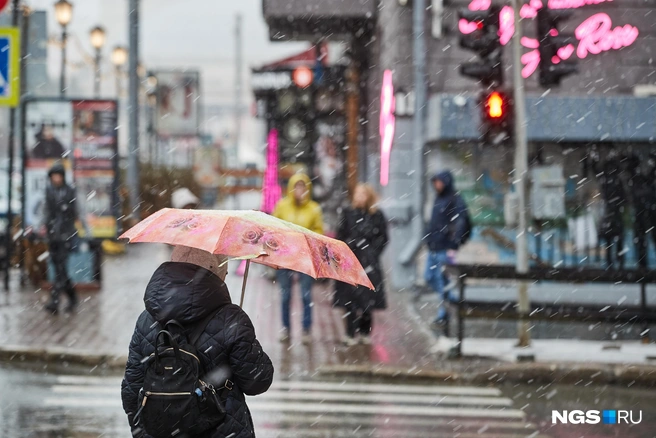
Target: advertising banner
48,138
82,135
94,132
178,102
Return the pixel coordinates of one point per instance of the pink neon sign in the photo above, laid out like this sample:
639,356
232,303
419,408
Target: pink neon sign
387,122
271,191
595,35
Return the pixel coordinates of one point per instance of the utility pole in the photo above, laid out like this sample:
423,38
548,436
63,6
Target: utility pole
419,72
15,15
238,88
520,177
133,108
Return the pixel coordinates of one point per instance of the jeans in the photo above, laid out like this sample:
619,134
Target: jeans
434,276
59,252
286,279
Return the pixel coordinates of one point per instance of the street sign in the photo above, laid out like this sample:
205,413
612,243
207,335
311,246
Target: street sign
9,66
3,5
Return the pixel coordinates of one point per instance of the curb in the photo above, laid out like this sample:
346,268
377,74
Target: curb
564,373
14,354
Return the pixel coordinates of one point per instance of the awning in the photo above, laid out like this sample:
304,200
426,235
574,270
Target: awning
554,119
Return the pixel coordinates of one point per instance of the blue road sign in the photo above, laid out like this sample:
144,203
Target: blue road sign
9,66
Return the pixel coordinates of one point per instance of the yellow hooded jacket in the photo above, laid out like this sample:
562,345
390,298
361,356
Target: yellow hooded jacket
306,214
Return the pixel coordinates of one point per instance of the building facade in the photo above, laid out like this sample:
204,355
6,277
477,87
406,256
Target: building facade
606,110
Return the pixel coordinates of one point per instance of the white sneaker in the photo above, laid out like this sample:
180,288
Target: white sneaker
349,341
365,339
284,335
307,337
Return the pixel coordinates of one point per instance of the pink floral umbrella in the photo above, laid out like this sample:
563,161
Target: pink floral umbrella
253,236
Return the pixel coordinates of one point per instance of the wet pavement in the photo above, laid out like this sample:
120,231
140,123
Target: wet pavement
319,390
81,405
104,322
76,403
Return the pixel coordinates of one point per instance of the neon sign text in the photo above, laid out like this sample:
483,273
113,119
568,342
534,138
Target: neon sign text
573,4
387,122
595,35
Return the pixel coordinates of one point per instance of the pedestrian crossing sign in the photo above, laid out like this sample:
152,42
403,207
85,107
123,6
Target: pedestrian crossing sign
9,66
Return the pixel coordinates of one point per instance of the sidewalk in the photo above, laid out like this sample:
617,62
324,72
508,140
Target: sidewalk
98,334
100,330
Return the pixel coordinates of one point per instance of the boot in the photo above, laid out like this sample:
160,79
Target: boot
52,306
72,299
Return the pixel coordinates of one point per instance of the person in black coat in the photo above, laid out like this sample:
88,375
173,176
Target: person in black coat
59,222
364,229
188,289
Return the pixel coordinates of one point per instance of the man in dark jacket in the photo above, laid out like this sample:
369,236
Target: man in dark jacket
60,216
444,233
188,289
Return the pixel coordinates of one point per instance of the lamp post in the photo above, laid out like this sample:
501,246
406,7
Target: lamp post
64,14
97,36
119,58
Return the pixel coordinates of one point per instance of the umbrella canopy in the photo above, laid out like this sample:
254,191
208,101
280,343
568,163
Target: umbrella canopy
255,236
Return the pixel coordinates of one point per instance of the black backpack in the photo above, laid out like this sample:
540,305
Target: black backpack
174,400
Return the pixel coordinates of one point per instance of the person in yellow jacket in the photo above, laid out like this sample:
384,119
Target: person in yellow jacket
298,208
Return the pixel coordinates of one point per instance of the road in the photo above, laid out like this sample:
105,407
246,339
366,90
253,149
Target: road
80,405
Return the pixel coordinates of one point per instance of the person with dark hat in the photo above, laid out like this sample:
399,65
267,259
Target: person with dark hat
60,216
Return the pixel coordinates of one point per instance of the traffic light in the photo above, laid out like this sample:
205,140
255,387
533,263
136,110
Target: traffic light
554,47
496,116
484,41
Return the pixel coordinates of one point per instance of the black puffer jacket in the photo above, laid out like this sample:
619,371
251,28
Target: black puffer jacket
188,293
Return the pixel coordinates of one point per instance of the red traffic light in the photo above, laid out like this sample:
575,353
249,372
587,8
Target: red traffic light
494,105
302,77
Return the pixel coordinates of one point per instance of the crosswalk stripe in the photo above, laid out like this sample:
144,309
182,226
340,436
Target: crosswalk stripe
392,421
81,402
386,388
417,411
330,408
88,380
438,399
326,386
385,398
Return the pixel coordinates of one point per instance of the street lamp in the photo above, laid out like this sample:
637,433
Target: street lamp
97,36
119,58
64,14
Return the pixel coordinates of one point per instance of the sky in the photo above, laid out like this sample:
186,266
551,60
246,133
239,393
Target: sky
185,33
174,33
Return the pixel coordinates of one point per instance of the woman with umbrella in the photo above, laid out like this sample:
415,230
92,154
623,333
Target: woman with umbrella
364,229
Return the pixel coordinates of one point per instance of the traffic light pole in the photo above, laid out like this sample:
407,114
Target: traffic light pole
133,107
520,178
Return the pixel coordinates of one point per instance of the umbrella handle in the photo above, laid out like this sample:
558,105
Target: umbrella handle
243,286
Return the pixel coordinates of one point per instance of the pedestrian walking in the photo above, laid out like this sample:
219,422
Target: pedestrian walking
298,208
448,229
364,229
188,299
61,234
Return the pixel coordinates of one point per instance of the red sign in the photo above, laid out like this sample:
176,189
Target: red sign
3,4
